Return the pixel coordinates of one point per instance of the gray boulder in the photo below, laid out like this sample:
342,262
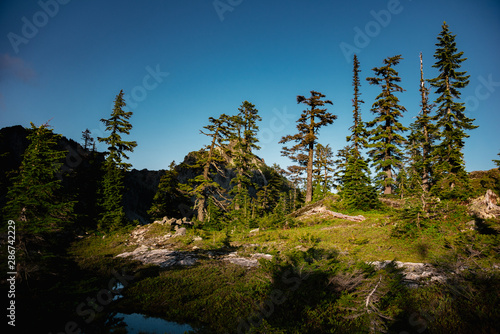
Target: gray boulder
181,231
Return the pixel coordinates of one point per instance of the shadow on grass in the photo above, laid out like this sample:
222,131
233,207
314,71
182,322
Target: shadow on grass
309,291
313,292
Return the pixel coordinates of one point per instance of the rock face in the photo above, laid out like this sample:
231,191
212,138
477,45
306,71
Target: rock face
139,235
414,274
13,143
181,231
485,207
176,224
154,249
141,186
253,261
162,257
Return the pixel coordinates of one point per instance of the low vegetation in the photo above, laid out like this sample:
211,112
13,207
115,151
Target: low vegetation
320,279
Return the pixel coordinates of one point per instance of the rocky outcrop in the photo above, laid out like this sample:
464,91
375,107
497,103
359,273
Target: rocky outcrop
414,274
485,207
164,258
140,188
174,223
140,235
155,249
224,172
252,261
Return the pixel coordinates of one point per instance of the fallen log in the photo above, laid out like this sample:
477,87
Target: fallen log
323,211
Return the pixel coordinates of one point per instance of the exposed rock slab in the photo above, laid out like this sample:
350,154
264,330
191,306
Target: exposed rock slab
485,207
414,274
253,261
166,258
162,257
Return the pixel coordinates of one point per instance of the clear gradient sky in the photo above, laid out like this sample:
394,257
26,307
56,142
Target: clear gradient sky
180,62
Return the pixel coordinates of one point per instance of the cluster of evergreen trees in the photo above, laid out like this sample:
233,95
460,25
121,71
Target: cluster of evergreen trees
425,158
37,201
229,156
428,161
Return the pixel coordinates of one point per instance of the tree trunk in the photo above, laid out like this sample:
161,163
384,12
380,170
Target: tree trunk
201,209
206,170
325,181
239,185
388,187
309,187
425,146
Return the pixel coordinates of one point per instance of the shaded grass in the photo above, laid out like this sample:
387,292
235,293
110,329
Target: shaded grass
213,296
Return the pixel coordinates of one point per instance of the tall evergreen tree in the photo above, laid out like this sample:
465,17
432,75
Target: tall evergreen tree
356,189
244,136
385,138
111,192
497,162
203,186
452,123
35,200
118,124
421,141
87,139
341,163
168,198
308,125
358,130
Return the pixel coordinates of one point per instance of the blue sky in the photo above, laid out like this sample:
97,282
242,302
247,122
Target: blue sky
180,62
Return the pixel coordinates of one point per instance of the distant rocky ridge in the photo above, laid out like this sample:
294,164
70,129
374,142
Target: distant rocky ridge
227,171
81,173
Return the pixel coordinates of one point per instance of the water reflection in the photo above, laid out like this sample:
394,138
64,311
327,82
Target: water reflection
136,323
118,288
